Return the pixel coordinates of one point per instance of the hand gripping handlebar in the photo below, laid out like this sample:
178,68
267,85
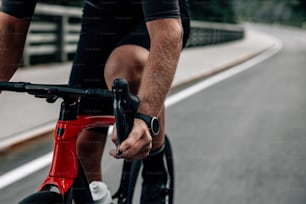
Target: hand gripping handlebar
125,107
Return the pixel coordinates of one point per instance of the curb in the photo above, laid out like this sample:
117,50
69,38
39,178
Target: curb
219,69
18,139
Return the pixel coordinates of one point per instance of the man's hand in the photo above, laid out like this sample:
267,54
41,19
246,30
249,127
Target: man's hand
137,145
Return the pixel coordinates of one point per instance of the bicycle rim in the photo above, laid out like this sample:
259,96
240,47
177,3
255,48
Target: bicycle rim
43,197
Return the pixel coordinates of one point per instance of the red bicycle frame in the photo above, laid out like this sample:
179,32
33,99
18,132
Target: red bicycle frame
64,167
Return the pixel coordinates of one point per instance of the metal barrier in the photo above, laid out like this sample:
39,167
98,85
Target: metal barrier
204,33
54,33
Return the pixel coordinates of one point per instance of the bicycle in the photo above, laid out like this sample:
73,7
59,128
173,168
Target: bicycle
66,181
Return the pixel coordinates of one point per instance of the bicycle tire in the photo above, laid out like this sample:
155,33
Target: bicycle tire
170,167
43,197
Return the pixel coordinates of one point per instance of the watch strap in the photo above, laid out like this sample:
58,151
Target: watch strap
144,117
148,120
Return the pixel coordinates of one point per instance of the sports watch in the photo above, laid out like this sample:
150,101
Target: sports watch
151,121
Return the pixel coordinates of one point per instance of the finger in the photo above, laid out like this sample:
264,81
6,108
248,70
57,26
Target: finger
139,132
129,155
140,150
114,135
135,135
141,155
114,154
137,145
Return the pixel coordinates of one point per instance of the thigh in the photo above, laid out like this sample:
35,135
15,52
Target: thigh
101,34
129,57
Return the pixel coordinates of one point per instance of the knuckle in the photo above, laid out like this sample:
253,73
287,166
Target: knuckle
144,155
114,139
148,140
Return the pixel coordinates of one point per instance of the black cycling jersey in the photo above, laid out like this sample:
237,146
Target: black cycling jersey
152,9
19,8
107,24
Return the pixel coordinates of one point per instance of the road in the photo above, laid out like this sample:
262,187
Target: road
243,140
240,141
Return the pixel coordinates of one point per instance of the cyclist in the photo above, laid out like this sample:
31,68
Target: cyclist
139,40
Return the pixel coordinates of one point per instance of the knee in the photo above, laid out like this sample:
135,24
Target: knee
126,62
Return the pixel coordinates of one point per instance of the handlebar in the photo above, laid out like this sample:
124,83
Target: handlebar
125,104
53,91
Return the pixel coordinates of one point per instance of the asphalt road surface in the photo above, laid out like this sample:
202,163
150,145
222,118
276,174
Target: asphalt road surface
243,141
240,141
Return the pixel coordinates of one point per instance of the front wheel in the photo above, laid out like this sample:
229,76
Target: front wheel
43,197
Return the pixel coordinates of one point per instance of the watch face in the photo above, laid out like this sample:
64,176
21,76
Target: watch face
155,126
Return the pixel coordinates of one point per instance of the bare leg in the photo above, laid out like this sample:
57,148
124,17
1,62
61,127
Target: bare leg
90,147
13,33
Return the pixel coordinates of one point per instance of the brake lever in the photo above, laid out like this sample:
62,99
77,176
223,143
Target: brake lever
125,106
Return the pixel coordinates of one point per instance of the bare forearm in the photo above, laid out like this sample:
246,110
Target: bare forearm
12,38
166,45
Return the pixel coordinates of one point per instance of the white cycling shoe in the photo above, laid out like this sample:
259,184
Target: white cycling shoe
100,193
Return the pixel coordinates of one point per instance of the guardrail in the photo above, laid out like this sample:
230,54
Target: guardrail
54,33
204,33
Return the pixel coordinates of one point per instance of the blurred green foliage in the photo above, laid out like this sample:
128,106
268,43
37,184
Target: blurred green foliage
290,12
207,10
213,10
64,2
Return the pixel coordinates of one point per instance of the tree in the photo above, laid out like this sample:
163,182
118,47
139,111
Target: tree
290,12
213,10
303,4
77,3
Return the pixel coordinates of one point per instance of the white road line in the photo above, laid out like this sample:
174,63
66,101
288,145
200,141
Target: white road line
25,170
175,98
43,161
